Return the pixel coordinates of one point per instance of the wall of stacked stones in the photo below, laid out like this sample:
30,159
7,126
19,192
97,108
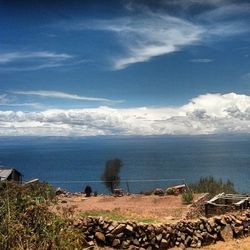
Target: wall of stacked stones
132,235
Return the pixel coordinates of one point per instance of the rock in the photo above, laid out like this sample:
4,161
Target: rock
64,201
188,240
164,244
209,229
237,222
131,247
183,237
125,244
159,191
159,237
100,236
109,237
182,246
189,231
198,244
60,191
193,244
120,228
116,242
91,243
238,230
129,228
226,233
110,228
136,242
91,237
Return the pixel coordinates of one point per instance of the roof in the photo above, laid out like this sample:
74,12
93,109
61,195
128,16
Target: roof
6,172
179,186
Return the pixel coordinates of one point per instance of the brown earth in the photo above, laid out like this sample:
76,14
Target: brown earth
163,209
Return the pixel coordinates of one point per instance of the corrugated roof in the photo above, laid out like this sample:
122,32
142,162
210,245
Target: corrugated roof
5,173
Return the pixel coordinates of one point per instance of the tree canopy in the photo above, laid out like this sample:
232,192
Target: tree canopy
110,176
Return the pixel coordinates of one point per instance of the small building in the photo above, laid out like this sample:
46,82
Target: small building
223,203
10,174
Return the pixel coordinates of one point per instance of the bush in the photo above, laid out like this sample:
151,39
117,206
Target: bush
187,197
27,222
170,191
212,186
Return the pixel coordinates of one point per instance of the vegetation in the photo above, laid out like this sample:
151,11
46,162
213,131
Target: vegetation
111,173
212,186
187,197
106,214
27,222
170,191
117,215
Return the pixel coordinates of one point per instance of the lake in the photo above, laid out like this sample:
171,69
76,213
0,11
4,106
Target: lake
149,162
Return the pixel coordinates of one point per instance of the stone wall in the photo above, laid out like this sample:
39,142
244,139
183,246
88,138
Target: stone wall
131,235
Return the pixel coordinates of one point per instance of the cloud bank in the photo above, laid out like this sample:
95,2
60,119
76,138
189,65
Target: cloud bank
205,114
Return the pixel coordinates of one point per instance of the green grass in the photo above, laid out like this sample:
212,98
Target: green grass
147,220
106,214
116,215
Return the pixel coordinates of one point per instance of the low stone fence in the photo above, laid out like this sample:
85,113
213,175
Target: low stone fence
132,235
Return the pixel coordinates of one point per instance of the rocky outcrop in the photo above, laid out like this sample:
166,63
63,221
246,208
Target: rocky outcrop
132,235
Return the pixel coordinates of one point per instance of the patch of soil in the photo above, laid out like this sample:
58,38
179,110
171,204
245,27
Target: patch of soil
165,209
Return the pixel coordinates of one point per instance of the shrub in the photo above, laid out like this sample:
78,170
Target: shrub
212,186
187,197
170,191
27,222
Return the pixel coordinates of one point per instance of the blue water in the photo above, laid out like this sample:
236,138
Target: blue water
72,163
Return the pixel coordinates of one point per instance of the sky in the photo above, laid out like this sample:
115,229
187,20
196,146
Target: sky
89,68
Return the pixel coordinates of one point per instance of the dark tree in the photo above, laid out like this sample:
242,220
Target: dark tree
110,176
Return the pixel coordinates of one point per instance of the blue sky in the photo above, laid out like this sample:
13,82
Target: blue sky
124,67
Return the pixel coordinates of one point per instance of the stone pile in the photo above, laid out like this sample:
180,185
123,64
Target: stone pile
64,193
132,235
197,208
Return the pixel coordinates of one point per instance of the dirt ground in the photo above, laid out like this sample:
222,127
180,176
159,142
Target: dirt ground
161,208
165,209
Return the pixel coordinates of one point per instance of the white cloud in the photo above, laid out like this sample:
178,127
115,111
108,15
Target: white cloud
4,99
246,76
15,56
35,60
63,95
149,36
201,60
28,104
205,114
